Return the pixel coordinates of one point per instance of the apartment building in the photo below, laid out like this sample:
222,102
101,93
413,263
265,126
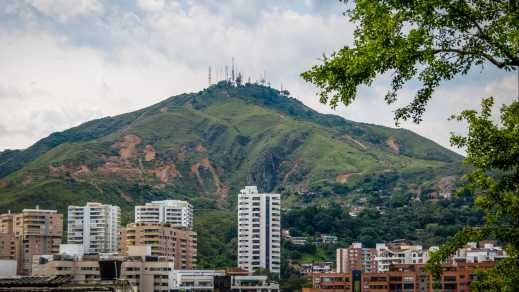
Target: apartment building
8,246
173,212
356,257
195,280
31,232
316,267
164,240
401,277
83,269
95,226
259,224
143,271
398,252
473,252
214,280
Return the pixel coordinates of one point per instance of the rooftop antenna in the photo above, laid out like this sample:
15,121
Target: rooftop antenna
263,78
232,70
209,75
226,73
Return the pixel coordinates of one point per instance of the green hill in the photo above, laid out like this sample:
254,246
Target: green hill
205,146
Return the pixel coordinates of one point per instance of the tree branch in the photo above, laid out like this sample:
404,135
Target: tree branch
484,36
497,63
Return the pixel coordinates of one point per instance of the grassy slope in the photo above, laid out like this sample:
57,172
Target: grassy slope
252,135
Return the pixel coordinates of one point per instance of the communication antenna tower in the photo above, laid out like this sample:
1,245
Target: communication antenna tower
209,75
232,70
226,73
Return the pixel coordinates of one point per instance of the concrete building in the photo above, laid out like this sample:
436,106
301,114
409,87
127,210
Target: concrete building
398,252
479,253
143,271
95,226
213,280
173,212
356,257
242,283
148,273
405,277
8,246
164,240
259,224
31,232
316,267
60,283
194,280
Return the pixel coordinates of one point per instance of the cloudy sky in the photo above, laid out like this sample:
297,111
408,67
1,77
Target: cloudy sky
65,62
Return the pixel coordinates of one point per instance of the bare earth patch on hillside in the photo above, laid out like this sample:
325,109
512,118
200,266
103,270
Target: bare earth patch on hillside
128,147
115,168
165,173
206,164
392,143
149,153
200,148
350,138
343,178
83,171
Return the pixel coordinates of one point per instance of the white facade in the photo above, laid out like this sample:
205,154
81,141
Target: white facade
204,280
259,225
73,250
403,254
472,253
194,280
168,211
95,226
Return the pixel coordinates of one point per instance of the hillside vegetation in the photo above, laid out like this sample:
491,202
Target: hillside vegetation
205,146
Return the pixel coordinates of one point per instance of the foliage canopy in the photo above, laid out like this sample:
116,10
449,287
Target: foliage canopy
434,41
431,40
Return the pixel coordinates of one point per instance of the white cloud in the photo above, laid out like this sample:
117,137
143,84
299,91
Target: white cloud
58,75
152,5
65,9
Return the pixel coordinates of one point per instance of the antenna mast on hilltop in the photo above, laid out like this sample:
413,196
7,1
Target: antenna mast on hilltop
263,79
226,73
209,75
232,70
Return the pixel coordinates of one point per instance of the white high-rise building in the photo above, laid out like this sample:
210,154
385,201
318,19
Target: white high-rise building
168,211
95,226
259,224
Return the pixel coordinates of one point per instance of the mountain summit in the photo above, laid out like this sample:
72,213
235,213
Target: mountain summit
204,146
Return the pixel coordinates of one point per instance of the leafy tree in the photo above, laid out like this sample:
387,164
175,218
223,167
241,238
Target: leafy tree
493,150
434,41
430,40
